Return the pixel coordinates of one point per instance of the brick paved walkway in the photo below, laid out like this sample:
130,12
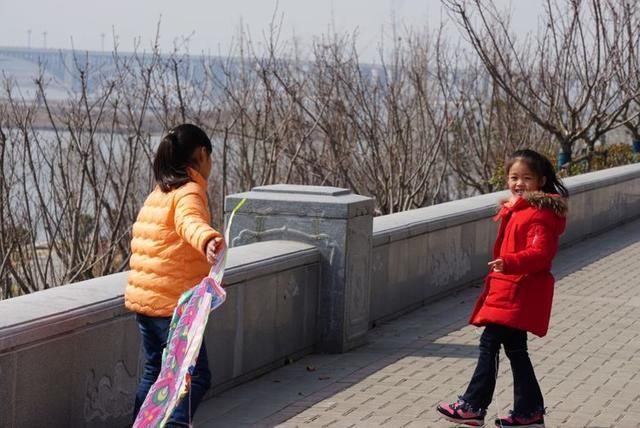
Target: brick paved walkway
588,364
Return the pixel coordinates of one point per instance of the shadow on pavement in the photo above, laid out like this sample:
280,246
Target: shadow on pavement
320,381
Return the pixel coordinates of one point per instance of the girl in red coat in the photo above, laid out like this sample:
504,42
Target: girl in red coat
518,292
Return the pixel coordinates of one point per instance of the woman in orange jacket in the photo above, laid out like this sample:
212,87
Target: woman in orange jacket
172,248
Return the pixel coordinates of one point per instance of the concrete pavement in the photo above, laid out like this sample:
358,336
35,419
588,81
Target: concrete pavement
587,366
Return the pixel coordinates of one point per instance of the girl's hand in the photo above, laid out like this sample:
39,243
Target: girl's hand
214,247
497,265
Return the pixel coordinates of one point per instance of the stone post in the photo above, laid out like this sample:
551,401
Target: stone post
340,224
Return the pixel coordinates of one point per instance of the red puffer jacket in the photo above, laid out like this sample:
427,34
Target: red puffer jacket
521,295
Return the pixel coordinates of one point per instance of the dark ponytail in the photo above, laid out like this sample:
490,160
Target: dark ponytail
542,167
176,153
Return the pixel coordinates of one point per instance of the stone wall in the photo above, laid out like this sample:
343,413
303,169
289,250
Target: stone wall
70,356
423,253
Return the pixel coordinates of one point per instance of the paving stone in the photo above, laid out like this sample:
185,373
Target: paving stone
587,365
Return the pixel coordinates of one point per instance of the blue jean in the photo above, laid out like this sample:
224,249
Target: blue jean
527,396
154,331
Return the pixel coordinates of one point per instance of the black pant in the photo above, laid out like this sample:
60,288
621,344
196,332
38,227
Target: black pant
526,391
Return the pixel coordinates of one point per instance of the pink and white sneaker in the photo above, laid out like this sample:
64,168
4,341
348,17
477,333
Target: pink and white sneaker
535,420
461,412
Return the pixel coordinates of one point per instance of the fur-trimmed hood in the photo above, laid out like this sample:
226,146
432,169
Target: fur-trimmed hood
555,203
542,200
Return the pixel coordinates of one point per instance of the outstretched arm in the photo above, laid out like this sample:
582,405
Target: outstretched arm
191,220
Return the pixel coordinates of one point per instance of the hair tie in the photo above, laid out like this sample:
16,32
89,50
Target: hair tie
171,135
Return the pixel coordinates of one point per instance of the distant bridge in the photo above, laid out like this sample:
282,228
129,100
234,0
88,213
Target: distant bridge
60,64
63,67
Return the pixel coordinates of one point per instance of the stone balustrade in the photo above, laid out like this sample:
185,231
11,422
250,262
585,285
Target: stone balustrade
311,270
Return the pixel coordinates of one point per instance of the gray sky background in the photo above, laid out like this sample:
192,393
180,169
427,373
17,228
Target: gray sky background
214,24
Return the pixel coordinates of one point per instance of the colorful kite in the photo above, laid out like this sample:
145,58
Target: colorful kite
183,343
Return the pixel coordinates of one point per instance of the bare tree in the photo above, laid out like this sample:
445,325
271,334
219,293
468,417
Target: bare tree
429,122
488,125
67,190
628,76
564,77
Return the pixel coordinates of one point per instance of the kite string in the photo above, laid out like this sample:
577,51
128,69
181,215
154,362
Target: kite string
217,271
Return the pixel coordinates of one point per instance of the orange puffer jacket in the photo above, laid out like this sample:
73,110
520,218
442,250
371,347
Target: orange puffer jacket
168,248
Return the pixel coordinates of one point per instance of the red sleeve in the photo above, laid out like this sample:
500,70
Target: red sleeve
542,245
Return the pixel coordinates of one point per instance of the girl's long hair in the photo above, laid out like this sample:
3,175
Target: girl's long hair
542,167
176,153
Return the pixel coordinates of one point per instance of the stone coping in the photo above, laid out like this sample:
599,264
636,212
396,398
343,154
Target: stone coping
45,314
48,313
406,224
301,201
607,177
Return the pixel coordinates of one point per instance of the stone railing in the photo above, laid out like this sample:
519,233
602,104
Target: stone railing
70,356
423,253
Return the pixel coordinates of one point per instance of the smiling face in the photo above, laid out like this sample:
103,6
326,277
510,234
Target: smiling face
522,179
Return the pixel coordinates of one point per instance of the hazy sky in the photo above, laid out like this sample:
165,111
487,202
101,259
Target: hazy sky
213,24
